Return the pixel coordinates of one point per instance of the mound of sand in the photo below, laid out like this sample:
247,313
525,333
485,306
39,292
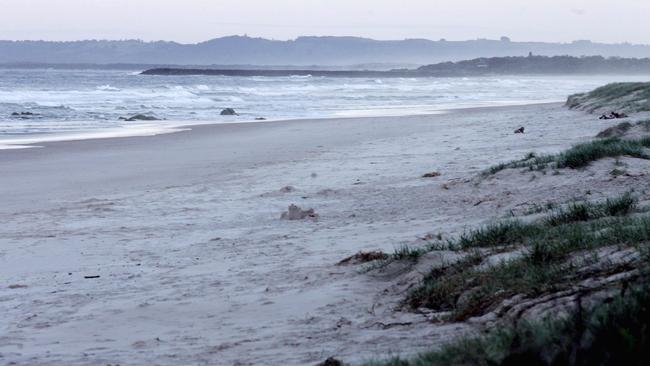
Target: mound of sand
621,97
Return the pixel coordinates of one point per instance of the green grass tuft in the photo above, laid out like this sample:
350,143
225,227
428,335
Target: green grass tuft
579,156
585,211
406,252
497,235
582,155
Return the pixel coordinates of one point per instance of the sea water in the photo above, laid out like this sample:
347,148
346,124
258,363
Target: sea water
87,101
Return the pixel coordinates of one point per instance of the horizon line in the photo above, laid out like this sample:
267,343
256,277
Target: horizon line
504,39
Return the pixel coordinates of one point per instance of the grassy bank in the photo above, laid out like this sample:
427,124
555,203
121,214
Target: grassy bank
549,257
622,97
555,253
623,128
579,156
614,333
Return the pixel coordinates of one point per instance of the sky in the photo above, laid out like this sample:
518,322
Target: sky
191,21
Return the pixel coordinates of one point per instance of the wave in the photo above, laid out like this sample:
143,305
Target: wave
93,100
107,88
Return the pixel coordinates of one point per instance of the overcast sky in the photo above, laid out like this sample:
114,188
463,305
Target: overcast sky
192,21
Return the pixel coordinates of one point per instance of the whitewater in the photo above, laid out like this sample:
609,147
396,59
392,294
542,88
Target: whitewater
54,104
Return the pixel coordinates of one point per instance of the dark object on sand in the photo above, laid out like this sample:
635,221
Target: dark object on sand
287,189
229,112
139,117
520,130
432,175
331,362
364,257
297,213
260,119
24,115
91,277
613,115
615,131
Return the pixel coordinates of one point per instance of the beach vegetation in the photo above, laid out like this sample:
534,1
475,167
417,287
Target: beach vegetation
580,156
611,333
627,97
549,258
553,254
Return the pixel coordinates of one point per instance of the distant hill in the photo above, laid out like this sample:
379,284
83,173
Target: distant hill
303,51
530,65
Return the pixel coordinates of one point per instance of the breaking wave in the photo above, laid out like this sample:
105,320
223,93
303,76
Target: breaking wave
75,100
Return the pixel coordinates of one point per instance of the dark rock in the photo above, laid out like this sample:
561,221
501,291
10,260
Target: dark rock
229,112
520,130
140,117
432,175
331,362
23,115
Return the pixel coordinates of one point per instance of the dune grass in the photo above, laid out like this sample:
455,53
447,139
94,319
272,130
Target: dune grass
584,211
515,232
579,156
583,154
499,234
614,333
614,91
406,252
629,97
555,253
546,263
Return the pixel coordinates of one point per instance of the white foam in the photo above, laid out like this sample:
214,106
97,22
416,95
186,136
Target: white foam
107,87
31,141
96,99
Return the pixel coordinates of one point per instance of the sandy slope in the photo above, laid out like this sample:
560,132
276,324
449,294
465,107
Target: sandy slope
197,268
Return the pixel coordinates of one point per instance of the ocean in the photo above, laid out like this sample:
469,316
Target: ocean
56,103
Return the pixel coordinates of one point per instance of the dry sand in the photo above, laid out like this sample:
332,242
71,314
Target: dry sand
197,268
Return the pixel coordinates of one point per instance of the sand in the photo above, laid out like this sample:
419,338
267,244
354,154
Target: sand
197,268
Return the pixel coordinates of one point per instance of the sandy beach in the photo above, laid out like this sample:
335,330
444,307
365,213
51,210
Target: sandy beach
195,265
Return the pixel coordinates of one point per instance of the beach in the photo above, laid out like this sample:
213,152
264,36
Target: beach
170,250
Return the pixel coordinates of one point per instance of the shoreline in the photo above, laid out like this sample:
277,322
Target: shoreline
32,141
